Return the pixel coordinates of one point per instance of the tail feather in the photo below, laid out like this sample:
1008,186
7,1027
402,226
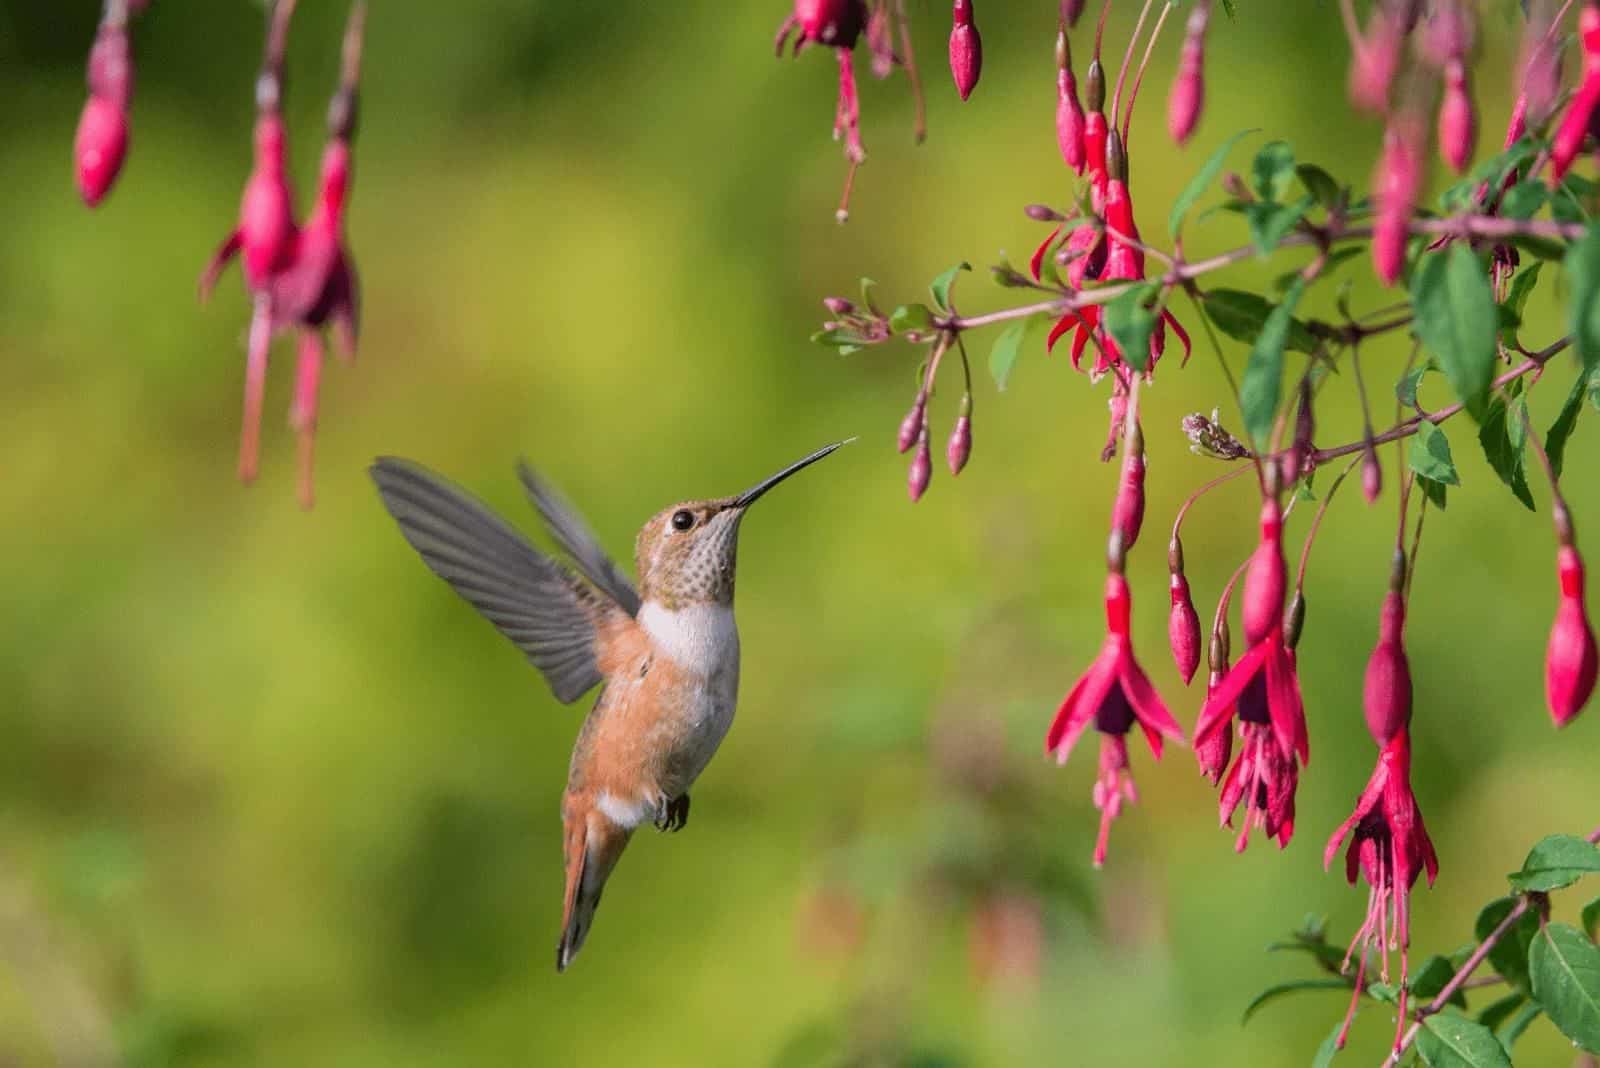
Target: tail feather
594,843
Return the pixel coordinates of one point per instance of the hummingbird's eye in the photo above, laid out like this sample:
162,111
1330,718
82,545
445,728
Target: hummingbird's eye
682,519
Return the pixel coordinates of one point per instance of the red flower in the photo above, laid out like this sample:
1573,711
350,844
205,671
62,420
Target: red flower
1265,776
1575,125
1571,658
1391,847
101,144
1069,113
1113,694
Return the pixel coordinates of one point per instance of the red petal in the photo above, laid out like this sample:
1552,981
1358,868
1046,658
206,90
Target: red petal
1219,707
1183,335
1036,263
1148,708
1063,724
1063,324
1283,702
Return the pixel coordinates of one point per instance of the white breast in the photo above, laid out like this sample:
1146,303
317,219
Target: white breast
703,640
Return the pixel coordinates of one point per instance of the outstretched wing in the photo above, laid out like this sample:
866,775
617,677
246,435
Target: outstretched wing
573,535
550,615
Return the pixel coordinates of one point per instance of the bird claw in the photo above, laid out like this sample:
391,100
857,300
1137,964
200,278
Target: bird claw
672,815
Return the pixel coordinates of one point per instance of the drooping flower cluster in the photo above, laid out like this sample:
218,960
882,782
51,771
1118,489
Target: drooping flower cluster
101,144
300,277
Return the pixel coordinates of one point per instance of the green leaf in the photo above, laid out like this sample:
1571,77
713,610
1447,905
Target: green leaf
1130,323
1591,920
1504,446
1405,390
1567,202
1241,316
1519,1023
867,286
1523,200
910,317
1270,222
1387,993
1509,956
1320,184
1263,375
1500,1011
1450,1041
1329,1048
1432,490
1455,317
1583,271
1566,982
844,340
1517,300
1200,182
1491,172
1430,455
1007,347
1272,170
1557,861
940,289
1325,952
1431,978
1555,442
1272,993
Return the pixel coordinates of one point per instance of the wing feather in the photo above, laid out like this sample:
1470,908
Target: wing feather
574,536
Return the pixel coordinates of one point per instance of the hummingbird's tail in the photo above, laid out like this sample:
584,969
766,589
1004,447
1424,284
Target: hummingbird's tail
594,843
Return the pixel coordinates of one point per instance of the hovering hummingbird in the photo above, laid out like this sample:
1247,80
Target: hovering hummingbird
665,654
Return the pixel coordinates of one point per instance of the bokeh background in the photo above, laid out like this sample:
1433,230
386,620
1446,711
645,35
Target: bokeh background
270,794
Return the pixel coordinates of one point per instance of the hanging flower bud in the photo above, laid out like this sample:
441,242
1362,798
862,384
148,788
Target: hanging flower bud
959,447
1458,121
1585,105
1070,11
1127,514
1570,660
1069,113
1371,474
921,472
912,424
1189,87
1265,578
1374,59
1396,185
1183,625
966,49
101,144
1386,695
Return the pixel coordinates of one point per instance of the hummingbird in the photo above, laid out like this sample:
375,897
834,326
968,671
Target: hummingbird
665,654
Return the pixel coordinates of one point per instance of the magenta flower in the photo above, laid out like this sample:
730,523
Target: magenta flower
1113,695
966,49
837,24
1581,113
1265,776
1571,658
1069,112
1390,846
101,143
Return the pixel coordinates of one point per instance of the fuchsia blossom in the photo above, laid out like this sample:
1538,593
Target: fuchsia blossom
1069,112
1113,695
1571,659
837,24
1580,119
101,144
1189,87
966,49
1396,185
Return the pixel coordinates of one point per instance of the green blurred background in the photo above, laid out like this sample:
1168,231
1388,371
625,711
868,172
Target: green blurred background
270,794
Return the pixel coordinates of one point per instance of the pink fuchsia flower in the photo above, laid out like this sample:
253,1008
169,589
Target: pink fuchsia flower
1268,659
1189,87
1396,186
1458,120
1264,777
1581,112
1113,695
1375,57
1571,658
966,49
1127,511
837,24
1390,846
101,144
1386,690
1069,112
1183,625
1216,748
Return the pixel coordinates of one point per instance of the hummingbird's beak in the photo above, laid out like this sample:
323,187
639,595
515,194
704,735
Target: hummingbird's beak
749,496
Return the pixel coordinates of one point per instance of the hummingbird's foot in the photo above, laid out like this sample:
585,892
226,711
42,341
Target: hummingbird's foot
672,815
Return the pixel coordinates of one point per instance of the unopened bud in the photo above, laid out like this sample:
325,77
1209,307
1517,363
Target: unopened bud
1235,186
1008,276
1458,121
1094,86
1294,619
1183,624
911,425
1386,695
838,306
1396,184
1070,10
959,447
1217,648
1371,474
1043,213
1069,112
966,49
1571,657
1298,459
1265,578
1188,88
1127,514
921,472
99,149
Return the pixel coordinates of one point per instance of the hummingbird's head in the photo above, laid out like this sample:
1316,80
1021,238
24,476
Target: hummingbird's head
686,554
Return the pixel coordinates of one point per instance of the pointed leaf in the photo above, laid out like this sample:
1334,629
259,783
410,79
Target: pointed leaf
1272,993
1325,952
1263,375
1130,323
1500,1011
1591,920
1272,170
1517,300
1434,491
1523,200
1583,273
1431,978
940,289
1509,956
1555,442
1320,184
1504,446
1007,347
1566,982
1200,182
1241,316
1329,1048
1450,1041
1456,319
1429,455
1557,861
1519,1023
1405,390
909,318
1270,223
